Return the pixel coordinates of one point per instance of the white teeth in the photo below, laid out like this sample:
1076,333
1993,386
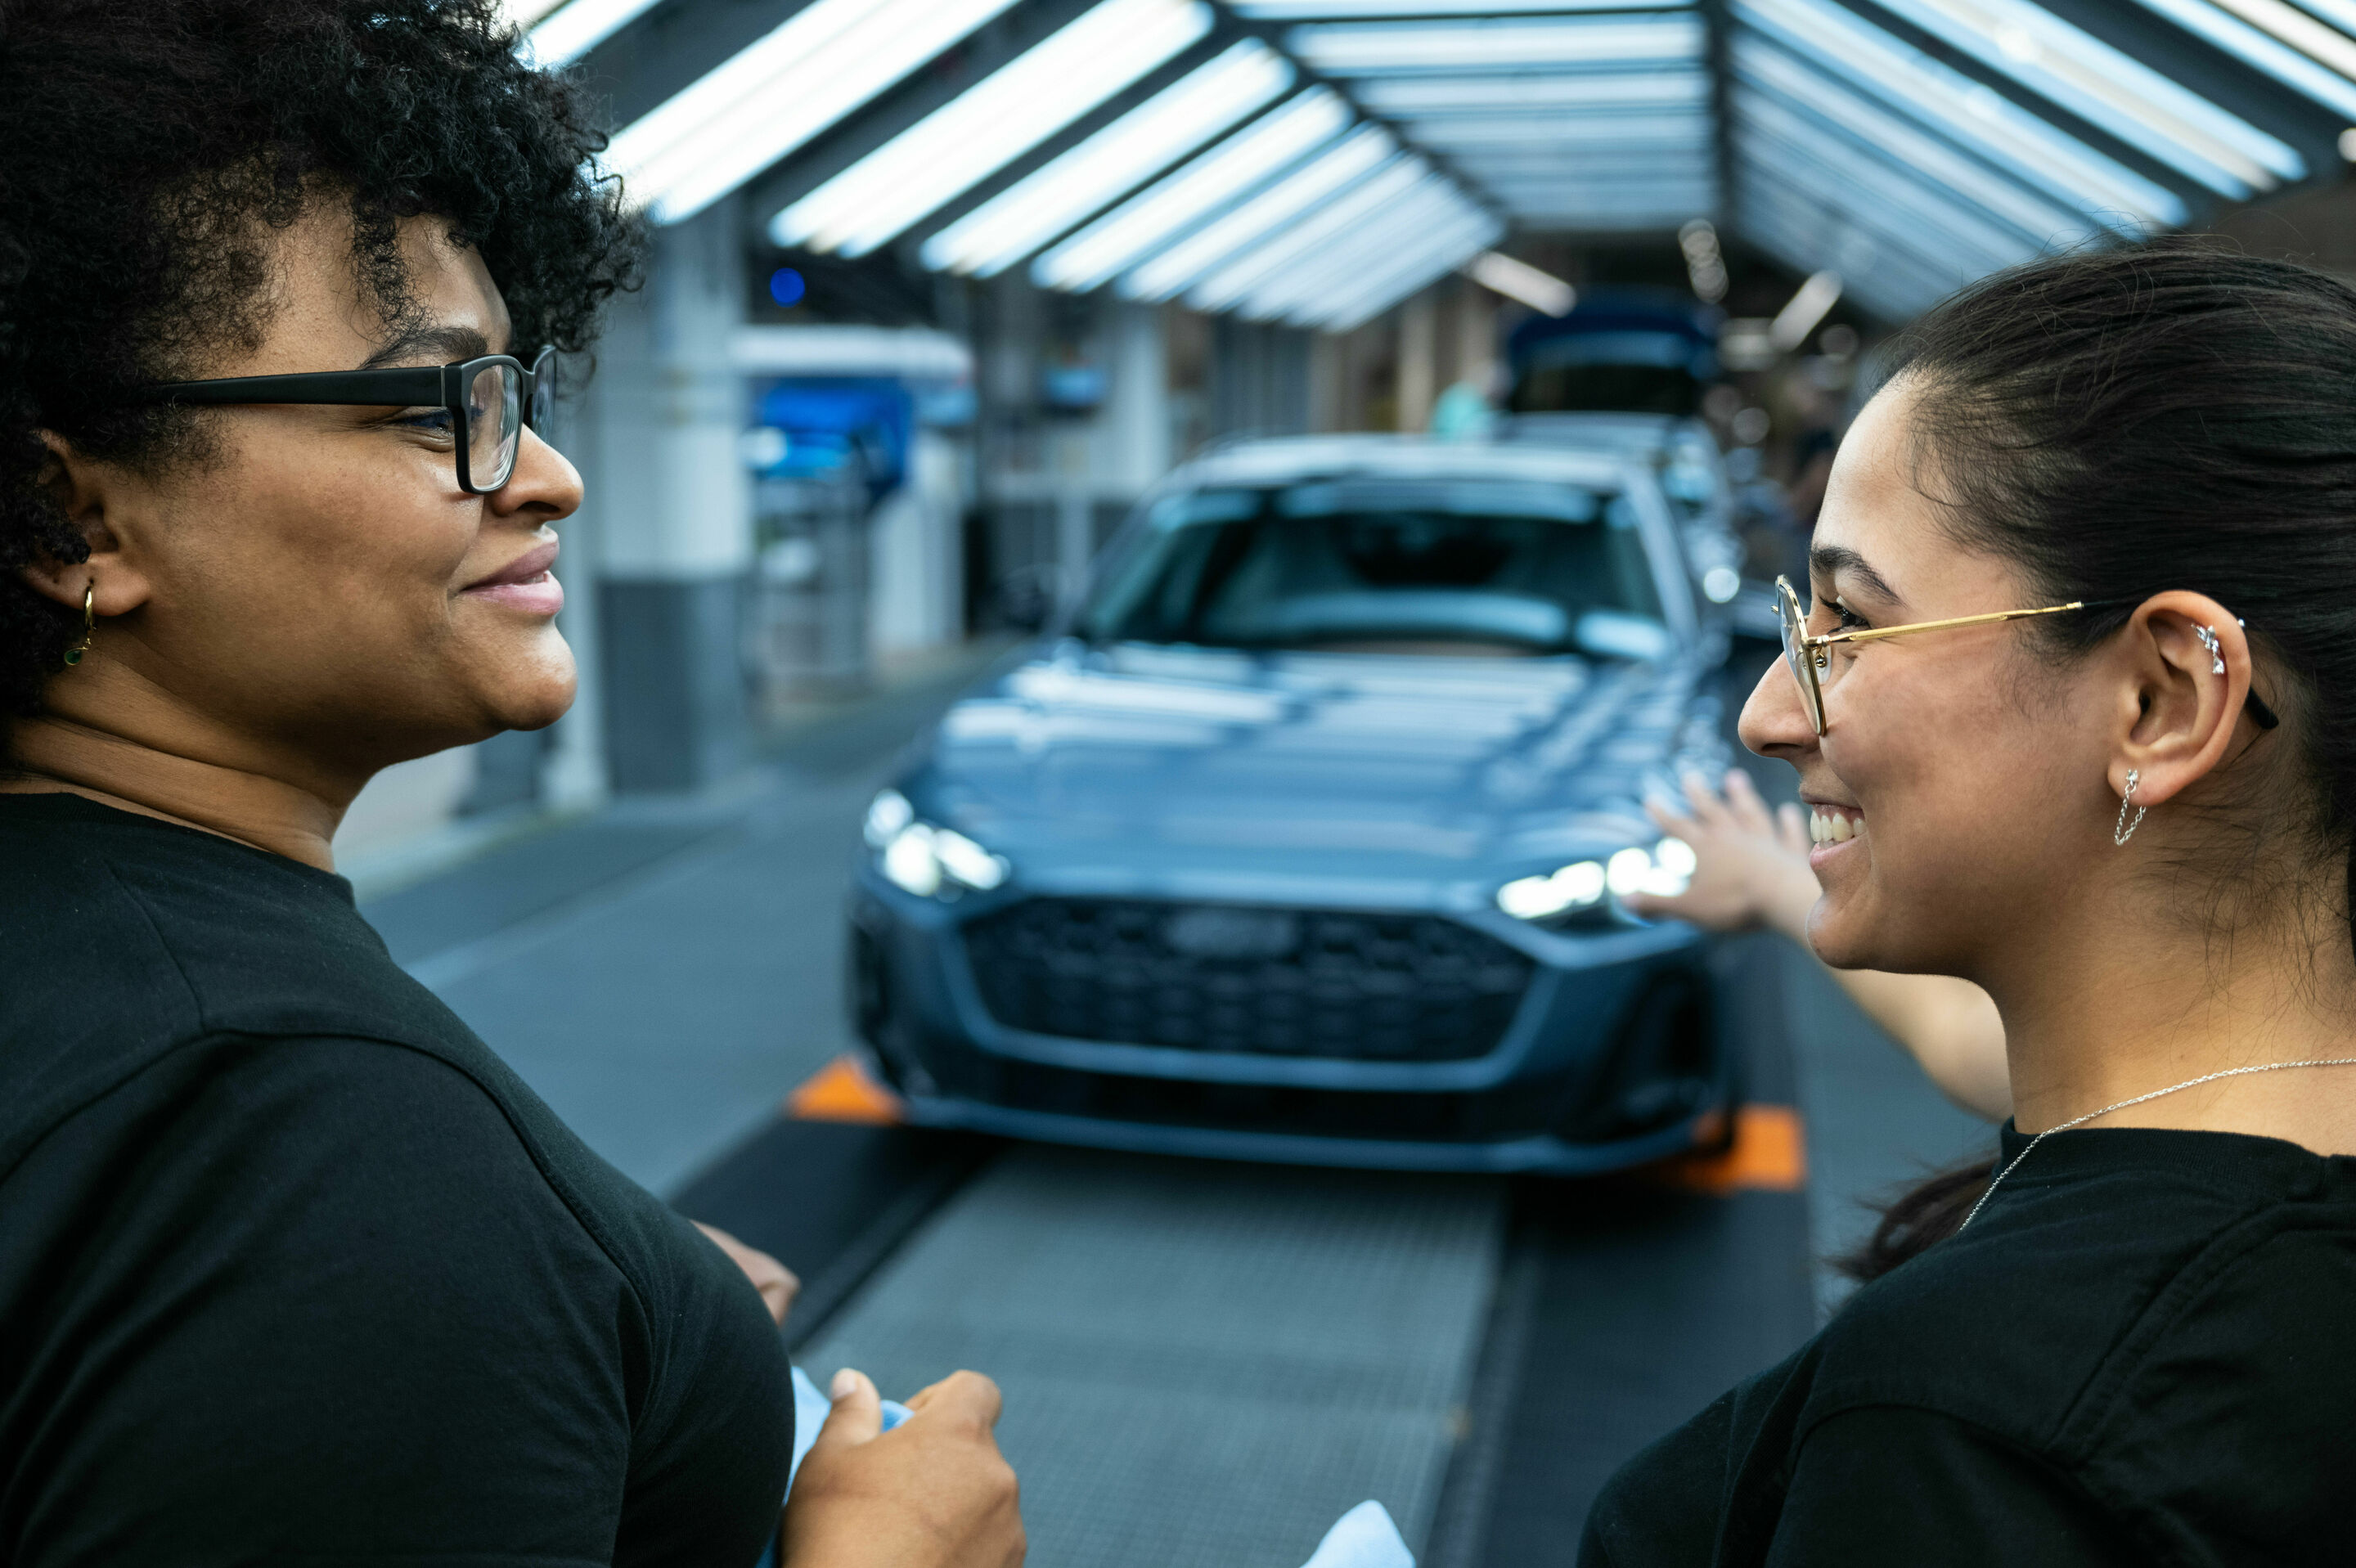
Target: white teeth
1816,828
1842,831
1832,828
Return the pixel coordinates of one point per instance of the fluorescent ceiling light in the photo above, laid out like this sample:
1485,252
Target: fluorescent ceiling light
1132,230
1773,71
2113,90
1341,264
562,33
2308,40
991,123
1117,159
1808,306
1871,193
1472,130
1541,291
1320,10
1892,283
1401,273
1360,204
1606,92
1910,82
1378,48
830,59
1303,191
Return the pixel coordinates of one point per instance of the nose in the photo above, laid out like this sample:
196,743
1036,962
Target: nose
544,488
1774,720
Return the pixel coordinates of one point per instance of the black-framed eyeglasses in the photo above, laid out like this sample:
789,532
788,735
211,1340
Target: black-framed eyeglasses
489,401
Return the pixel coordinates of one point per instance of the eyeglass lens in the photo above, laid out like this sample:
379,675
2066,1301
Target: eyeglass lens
1796,654
494,425
543,389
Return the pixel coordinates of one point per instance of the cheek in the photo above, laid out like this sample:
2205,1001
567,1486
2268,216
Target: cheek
1933,757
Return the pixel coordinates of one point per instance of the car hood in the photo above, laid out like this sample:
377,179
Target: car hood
1129,758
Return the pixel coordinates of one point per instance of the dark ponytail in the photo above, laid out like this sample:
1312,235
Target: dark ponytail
2171,415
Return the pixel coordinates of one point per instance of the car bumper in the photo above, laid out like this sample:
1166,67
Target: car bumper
1578,1082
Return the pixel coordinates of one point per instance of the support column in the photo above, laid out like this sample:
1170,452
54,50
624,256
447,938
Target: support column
1418,352
674,515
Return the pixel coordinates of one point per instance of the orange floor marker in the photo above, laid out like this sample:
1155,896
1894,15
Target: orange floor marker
843,1092
1769,1153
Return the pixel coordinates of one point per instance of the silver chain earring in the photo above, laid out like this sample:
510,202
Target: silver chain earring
2124,829
2208,635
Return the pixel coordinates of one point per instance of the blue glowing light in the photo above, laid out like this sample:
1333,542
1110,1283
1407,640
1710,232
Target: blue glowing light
787,286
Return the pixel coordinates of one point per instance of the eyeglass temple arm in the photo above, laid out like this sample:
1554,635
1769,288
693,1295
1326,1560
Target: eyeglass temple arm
396,387
1874,634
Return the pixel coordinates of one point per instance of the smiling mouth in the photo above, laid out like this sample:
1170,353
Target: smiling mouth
1834,824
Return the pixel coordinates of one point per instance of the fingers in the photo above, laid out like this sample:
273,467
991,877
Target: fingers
1708,809
857,1414
1792,829
1742,802
964,1397
777,1283
1667,820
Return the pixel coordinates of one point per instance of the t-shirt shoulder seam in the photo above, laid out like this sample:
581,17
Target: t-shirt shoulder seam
164,942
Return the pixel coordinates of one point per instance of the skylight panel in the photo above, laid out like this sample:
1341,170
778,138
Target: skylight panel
1910,82
1372,49
1470,131
1112,162
991,123
827,60
1324,177
1125,236
2113,90
1348,258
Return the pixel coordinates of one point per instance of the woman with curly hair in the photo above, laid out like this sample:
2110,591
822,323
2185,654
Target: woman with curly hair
291,1265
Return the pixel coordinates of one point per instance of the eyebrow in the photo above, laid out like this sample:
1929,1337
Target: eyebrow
443,345
1827,560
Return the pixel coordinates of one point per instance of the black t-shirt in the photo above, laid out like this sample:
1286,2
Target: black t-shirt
293,1268
2143,1351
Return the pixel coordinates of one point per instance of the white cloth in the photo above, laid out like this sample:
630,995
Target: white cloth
1363,1538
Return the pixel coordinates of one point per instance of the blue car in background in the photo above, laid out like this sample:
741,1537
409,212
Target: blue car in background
1304,838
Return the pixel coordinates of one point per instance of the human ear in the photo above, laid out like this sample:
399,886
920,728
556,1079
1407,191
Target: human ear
2179,711
96,498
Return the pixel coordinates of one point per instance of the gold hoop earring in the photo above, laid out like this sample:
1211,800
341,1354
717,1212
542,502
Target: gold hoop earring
89,623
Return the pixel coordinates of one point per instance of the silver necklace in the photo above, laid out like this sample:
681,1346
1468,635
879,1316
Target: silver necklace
2082,1121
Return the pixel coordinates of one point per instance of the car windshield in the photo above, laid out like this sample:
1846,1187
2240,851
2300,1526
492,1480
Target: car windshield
1389,566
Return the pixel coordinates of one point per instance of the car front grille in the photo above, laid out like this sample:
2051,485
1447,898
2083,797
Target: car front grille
1319,983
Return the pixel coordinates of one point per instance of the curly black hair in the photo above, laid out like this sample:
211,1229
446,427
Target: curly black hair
152,144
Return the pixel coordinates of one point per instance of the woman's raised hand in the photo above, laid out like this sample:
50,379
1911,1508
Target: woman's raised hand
1752,862
933,1492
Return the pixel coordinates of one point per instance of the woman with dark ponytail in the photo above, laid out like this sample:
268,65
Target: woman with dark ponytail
2075,679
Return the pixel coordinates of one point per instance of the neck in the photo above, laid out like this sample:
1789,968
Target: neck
2101,1006
162,770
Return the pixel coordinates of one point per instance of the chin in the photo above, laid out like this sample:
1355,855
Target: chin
1841,935
536,688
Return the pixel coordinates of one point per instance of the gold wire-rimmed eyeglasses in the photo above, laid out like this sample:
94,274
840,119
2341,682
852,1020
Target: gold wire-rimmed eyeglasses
1809,655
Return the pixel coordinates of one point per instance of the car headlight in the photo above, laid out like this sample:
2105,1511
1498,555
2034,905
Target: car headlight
924,860
1665,869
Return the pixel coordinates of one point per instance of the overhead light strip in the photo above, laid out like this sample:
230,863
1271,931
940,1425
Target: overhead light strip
1874,196
1436,255
1907,81
2113,90
1327,175
1771,71
1602,92
1065,191
1364,202
1336,10
829,60
1385,49
562,33
991,123
2284,42
1347,258
1133,230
